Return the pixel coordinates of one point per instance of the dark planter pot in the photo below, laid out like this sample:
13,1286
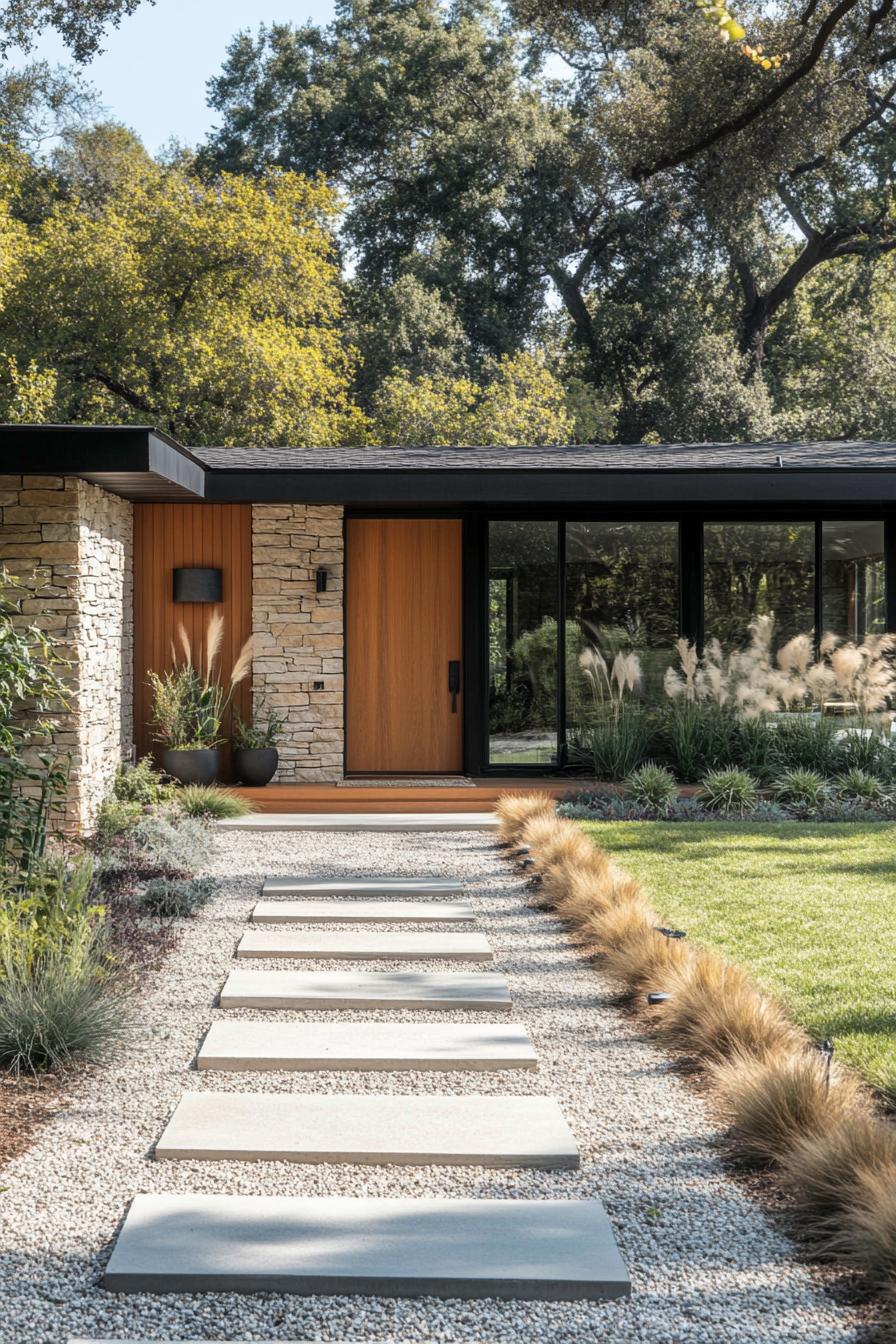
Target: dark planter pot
192,767
255,766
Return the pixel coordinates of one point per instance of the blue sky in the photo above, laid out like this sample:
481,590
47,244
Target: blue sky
153,69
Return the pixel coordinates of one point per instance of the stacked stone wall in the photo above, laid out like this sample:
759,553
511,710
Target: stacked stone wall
298,634
71,544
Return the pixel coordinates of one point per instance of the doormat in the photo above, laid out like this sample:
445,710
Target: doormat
403,782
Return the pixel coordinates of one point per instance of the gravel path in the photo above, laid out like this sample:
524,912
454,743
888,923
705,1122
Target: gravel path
705,1264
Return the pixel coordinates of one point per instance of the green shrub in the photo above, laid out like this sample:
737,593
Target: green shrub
173,898
859,786
116,818
868,750
57,1013
699,736
653,786
175,844
262,732
201,800
54,915
803,742
142,784
753,746
731,791
802,788
619,740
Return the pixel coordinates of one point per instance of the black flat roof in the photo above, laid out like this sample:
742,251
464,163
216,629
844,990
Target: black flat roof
140,462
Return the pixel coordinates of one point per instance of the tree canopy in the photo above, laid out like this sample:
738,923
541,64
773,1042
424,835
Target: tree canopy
80,23
211,310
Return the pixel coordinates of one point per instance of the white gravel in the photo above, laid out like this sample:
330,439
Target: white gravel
706,1265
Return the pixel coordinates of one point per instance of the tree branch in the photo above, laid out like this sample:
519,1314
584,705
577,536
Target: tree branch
674,159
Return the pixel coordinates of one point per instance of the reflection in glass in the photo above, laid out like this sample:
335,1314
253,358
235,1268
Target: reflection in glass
853,587
522,642
758,569
621,597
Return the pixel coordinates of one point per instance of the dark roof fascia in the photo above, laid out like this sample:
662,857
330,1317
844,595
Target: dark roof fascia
116,456
546,486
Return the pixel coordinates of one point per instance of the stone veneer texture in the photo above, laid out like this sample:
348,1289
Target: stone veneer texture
72,543
298,634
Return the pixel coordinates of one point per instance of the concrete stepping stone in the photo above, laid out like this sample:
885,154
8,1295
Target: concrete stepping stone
369,1129
365,989
360,886
550,1250
365,946
362,912
237,1046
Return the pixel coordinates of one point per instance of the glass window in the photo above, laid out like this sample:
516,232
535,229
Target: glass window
853,579
621,597
522,642
758,569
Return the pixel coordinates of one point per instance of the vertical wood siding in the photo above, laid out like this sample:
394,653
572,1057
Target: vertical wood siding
175,536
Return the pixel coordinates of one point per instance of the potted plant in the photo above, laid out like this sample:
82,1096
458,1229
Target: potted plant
189,704
255,755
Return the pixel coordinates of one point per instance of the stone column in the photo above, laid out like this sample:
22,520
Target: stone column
298,634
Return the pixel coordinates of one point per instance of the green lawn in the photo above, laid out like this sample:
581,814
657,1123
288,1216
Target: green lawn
811,909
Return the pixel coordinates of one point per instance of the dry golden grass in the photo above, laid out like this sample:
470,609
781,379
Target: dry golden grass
515,809
773,1101
838,1158
715,1009
645,964
820,1171
538,831
868,1239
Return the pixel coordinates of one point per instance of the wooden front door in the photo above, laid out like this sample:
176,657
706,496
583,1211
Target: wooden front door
403,646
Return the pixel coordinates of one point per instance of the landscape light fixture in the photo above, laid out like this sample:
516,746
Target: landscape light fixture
197,585
657,997
320,580
826,1050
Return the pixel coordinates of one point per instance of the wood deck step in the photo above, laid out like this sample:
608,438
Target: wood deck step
373,887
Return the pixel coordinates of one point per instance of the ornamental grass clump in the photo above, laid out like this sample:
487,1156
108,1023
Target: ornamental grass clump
860,786
515,809
715,1010
820,1171
212,803
804,789
653,786
731,792
773,1100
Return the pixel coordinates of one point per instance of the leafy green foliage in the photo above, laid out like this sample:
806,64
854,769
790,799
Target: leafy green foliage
619,739
803,788
263,731
732,792
206,801
33,691
653,786
142,784
211,310
115,818
59,1000
860,786
80,23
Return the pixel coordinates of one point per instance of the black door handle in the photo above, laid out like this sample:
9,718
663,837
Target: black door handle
454,683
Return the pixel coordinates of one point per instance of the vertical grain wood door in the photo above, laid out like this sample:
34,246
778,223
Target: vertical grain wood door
404,626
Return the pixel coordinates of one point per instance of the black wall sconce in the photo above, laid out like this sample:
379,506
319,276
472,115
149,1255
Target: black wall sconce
197,585
320,580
